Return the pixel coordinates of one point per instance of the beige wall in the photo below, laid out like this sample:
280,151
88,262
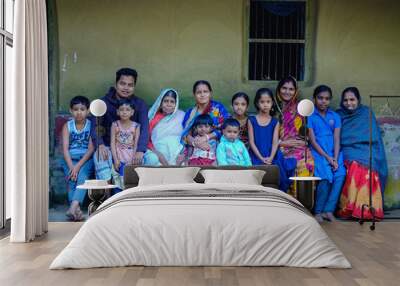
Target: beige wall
172,43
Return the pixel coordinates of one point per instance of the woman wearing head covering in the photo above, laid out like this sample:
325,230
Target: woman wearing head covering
355,139
165,129
291,133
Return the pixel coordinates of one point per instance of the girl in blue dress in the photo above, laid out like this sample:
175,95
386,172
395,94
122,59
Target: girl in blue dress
324,127
264,138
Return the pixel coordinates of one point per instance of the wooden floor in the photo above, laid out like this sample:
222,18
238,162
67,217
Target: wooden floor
375,257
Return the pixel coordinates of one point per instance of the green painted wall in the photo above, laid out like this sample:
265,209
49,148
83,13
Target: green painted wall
358,44
172,43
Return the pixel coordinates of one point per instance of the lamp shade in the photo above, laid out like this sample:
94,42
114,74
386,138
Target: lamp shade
305,107
98,107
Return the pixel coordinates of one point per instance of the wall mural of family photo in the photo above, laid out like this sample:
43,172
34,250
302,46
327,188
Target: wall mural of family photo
171,99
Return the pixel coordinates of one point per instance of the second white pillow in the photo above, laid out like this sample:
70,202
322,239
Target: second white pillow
248,177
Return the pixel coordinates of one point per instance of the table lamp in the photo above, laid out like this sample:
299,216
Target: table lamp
98,108
305,185
305,108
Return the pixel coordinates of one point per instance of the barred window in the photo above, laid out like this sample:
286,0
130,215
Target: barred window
277,38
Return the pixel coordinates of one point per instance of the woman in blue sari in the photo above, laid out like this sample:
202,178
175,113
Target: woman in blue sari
165,129
355,137
202,92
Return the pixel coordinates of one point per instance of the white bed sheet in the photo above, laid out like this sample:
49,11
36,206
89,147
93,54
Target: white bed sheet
201,231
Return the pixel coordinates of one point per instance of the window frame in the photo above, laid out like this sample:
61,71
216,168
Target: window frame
309,39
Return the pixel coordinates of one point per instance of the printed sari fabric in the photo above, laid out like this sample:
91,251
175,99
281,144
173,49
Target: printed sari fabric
217,112
355,138
153,123
165,132
355,193
292,128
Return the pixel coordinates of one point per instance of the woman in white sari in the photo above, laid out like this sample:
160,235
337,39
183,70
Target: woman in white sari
165,130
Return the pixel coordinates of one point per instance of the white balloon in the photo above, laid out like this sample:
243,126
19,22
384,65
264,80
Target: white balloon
98,107
305,107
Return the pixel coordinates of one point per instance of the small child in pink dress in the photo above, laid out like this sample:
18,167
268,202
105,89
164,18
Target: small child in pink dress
124,136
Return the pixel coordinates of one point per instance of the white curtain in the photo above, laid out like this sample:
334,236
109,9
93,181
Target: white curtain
27,124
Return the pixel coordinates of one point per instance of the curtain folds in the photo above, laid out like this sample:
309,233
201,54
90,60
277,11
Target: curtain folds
27,124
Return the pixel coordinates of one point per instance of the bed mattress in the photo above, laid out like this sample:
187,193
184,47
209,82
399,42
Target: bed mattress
201,225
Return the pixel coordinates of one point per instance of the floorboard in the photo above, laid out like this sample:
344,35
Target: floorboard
374,255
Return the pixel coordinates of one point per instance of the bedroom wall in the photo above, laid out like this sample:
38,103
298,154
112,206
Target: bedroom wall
175,42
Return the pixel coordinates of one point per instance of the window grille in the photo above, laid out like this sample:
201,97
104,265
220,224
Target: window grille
277,38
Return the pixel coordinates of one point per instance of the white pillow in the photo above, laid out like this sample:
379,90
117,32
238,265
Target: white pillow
166,176
249,177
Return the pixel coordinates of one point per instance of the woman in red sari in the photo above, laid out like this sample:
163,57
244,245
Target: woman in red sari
355,147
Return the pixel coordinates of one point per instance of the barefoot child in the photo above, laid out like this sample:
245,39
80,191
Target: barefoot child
231,150
202,128
77,149
263,138
324,127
